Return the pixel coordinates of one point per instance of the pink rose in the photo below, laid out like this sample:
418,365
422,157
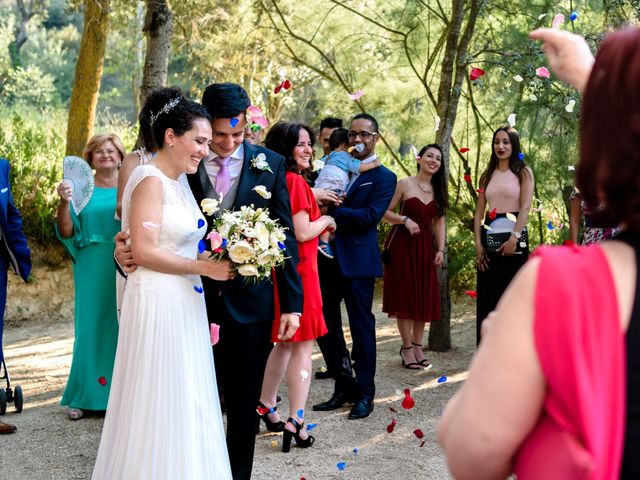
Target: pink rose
216,240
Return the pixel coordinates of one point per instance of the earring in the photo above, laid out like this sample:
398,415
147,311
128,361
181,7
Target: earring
171,145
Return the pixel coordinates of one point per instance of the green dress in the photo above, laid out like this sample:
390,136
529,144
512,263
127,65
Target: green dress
96,324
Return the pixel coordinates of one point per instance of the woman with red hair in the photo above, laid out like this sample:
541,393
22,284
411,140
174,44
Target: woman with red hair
554,389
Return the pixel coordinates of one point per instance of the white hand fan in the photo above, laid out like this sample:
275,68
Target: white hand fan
77,172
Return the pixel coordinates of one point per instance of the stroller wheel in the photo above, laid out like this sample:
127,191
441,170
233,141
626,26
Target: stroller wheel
3,401
17,398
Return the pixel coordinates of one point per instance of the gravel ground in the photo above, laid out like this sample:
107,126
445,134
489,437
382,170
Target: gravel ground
49,446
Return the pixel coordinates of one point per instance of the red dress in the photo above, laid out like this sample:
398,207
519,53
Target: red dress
411,290
312,323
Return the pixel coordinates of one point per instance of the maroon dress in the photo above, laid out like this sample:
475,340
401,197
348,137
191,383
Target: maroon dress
312,323
411,290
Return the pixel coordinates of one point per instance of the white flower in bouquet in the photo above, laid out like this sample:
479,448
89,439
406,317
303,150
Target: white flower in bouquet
249,232
248,270
241,252
262,191
265,258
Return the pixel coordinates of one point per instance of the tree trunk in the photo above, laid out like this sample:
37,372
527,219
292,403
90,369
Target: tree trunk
88,74
453,72
158,26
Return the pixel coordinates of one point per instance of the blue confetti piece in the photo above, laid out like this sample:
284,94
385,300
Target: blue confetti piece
521,156
202,246
300,413
234,122
442,379
311,426
272,410
550,225
198,289
281,246
200,223
574,16
341,465
223,244
355,450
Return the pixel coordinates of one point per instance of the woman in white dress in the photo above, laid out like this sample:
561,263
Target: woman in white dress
163,418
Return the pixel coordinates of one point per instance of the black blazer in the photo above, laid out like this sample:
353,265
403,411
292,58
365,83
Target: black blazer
253,303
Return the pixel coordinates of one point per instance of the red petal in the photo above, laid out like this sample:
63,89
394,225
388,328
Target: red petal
493,213
102,381
286,84
569,243
278,88
464,150
422,443
480,190
392,425
471,293
408,402
393,410
262,410
476,73
467,178
418,433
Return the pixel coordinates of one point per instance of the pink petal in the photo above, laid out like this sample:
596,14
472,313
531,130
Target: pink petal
557,20
543,72
215,333
356,95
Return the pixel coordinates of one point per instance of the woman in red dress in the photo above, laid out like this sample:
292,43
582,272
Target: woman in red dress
294,141
411,293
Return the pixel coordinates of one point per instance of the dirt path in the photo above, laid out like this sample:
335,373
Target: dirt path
49,446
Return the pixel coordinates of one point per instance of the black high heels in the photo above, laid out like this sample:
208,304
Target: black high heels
263,413
300,442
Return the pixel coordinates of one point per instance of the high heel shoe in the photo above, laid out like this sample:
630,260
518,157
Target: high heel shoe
300,442
410,365
424,362
263,413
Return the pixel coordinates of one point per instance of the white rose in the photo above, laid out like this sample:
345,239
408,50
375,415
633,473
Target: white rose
261,157
248,271
249,232
265,258
209,206
262,191
241,252
223,230
262,233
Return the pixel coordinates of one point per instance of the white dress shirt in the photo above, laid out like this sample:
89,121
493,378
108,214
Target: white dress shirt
371,158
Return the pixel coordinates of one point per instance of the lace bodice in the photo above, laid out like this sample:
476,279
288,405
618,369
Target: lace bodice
179,231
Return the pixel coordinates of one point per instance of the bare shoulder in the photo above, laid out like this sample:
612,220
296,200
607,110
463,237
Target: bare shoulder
622,261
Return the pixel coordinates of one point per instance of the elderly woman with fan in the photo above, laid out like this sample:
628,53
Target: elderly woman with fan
86,226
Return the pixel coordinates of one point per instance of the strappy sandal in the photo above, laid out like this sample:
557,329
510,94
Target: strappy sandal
411,365
424,362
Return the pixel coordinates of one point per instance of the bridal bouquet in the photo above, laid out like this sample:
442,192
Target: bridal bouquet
248,237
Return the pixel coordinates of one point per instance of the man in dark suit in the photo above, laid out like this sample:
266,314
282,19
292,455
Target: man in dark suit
14,252
358,258
243,310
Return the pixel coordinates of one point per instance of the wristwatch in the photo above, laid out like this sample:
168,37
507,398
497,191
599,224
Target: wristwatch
404,219
516,234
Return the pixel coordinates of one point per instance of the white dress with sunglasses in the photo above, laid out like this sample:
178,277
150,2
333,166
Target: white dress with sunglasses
163,418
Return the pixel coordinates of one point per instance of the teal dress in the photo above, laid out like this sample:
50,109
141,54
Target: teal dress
96,324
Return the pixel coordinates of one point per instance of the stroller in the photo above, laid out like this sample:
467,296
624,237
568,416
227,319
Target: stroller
8,395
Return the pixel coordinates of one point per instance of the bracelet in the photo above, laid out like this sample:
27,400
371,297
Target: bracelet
439,251
404,220
188,266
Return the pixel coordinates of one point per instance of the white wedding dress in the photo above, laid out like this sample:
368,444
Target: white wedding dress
163,418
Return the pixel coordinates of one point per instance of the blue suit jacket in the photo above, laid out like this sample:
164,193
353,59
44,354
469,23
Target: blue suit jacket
249,303
357,220
14,241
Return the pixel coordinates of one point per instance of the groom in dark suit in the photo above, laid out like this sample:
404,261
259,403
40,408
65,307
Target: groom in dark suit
244,311
358,257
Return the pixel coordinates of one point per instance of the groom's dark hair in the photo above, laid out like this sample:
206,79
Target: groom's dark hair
225,100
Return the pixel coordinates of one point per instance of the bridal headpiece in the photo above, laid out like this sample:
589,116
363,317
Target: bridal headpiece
170,105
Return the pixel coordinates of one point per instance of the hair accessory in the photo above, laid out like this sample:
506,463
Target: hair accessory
170,105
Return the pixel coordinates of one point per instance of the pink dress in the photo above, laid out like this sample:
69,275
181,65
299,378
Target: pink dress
581,349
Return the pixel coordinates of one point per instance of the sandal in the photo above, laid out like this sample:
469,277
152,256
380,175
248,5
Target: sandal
410,365
424,362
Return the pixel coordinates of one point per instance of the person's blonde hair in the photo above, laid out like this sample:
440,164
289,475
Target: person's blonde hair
94,143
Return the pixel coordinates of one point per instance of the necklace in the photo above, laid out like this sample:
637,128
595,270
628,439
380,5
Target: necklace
425,190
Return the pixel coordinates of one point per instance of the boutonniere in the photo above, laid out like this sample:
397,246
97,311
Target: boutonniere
259,162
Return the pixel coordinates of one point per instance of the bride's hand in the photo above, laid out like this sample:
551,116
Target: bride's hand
218,269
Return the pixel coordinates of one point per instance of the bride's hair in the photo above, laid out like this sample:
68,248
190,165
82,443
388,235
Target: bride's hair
169,108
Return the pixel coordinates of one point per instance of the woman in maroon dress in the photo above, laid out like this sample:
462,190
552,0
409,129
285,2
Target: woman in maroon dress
294,141
411,292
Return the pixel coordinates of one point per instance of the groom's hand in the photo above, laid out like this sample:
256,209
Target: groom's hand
123,253
289,323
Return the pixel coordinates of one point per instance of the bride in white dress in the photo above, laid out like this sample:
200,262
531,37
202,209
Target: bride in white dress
163,418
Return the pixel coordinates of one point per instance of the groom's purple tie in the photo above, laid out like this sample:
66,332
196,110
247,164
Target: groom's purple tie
223,179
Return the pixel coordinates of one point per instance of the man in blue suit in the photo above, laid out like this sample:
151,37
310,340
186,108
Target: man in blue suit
14,251
358,257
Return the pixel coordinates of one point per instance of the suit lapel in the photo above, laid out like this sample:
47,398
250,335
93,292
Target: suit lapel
205,182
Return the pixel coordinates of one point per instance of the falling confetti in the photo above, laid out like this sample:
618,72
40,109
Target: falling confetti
569,106
202,246
557,21
198,289
442,379
392,425
422,443
467,178
311,426
341,465
476,73
274,443
479,190
437,122
300,413
572,168
543,72
521,156
200,223
414,151
102,381
471,293
569,243
150,225
493,213
512,120
304,374
541,16
393,410
533,97
574,16
215,333
550,225
234,122
356,95
464,150
285,84
418,433
407,402
355,451
518,78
